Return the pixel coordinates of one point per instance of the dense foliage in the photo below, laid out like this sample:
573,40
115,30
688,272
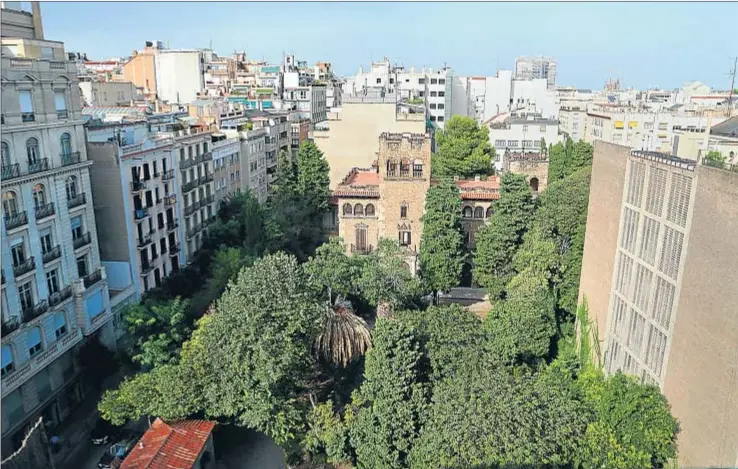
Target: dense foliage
462,149
568,157
498,240
441,253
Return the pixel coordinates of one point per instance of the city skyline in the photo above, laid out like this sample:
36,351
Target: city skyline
632,46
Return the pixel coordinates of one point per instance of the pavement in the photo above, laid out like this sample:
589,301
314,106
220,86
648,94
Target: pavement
90,454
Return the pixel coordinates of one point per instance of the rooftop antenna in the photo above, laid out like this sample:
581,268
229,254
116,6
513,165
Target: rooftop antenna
732,86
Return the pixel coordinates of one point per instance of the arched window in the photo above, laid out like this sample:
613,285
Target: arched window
478,212
369,211
72,187
358,210
7,358
404,168
10,204
60,324
391,168
403,210
489,212
66,144
6,154
33,341
534,184
39,196
32,151
347,209
468,212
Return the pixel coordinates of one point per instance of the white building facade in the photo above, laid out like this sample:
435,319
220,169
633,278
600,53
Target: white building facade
180,74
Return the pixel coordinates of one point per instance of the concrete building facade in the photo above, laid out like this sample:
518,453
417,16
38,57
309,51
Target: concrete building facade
108,93
659,263
180,74
226,167
529,68
54,290
517,134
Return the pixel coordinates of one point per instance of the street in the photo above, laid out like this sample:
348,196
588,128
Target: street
89,455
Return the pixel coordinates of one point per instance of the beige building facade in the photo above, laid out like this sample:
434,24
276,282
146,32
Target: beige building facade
350,139
658,274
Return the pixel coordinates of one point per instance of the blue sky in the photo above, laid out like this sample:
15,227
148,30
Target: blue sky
643,44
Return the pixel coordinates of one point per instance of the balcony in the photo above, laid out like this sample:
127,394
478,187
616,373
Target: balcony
146,269
32,312
60,297
167,175
187,163
70,158
81,241
44,211
174,249
170,200
10,326
192,208
11,171
76,201
207,200
190,185
24,267
361,249
172,225
16,220
207,177
40,165
138,186
52,254
62,114
144,241
93,278
140,213
193,231
720,164
28,117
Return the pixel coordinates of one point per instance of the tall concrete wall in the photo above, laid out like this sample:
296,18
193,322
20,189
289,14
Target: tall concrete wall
352,140
701,379
603,219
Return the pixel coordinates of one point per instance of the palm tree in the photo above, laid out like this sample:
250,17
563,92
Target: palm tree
345,336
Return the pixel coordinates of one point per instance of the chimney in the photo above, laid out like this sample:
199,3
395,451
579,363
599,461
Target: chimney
38,28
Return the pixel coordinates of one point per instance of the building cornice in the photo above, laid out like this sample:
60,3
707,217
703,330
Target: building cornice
6,129
45,174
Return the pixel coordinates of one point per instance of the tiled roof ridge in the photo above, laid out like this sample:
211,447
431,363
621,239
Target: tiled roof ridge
161,423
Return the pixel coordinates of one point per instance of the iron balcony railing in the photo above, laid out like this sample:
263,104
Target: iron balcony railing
146,268
720,165
62,114
174,249
141,213
187,163
24,267
167,175
207,177
93,278
192,208
137,186
170,200
16,220
193,231
32,312
172,225
11,171
366,249
9,326
82,240
77,200
52,254
28,117
70,158
38,166
144,240
60,296
44,211
187,187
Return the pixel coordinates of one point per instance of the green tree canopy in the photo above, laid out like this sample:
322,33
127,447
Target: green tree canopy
567,158
332,272
441,246
313,177
462,149
157,330
521,327
384,418
498,240
385,277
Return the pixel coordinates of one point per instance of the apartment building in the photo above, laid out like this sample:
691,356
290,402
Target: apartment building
432,87
641,128
530,68
722,138
309,102
299,131
54,291
253,163
140,69
349,138
658,274
387,199
226,167
137,198
521,133
108,93
573,120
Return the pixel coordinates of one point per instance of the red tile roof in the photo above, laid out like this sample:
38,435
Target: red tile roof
362,178
175,445
493,183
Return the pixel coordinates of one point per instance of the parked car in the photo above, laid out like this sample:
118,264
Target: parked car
120,449
103,432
